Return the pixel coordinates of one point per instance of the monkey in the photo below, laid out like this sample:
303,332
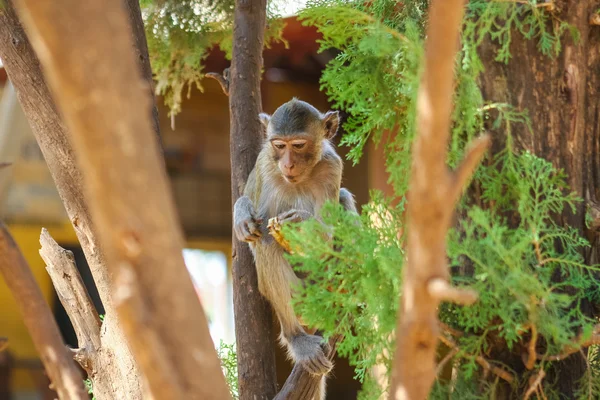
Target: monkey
296,172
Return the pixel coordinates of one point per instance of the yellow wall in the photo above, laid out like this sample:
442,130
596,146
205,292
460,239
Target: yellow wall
11,324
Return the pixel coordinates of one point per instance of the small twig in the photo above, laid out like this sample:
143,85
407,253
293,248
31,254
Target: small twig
485,364
571,349
464,171
532,355
452,331
222,79
534,384
536,245
444,360
5,164
549,5
443,291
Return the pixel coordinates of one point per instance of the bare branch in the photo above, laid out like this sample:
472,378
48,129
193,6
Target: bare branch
432,195
222,79
532,355
22,66
72,293
106,107
485,364
151,354
572,349
39,320
535,383
463,173
443,291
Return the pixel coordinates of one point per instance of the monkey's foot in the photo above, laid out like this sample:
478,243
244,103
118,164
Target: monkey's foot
311,352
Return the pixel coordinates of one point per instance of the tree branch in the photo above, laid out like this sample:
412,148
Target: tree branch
104,104
432,195
257,379
301,385
222,79
485,364
39,320
572,349
72,293
22,66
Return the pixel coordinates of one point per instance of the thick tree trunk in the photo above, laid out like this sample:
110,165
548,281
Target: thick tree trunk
85,47
26,76
253,317
562,97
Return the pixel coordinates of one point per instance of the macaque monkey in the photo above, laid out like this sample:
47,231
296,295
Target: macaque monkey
296,172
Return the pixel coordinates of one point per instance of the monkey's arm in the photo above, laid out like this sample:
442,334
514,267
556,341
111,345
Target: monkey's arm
246,225
347,200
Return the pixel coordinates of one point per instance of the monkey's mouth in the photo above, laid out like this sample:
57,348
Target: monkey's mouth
291,179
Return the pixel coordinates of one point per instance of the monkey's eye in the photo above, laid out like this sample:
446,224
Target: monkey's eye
279,145
298,145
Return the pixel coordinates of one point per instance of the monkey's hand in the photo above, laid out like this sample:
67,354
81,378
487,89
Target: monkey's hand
311,351
248,230
294,216
245,224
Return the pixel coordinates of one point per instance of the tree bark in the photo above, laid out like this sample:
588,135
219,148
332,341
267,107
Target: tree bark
134,14
94,352
562,97
51,134
253,316
39,320
433,193
104,103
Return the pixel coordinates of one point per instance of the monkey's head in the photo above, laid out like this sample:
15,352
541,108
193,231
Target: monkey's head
295,133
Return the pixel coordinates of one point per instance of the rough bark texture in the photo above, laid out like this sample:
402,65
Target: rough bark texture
105,105
562,97
134,14
39,320
432,195
94,352
26,76
253,317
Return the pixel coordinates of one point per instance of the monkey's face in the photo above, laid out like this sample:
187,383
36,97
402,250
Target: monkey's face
294,157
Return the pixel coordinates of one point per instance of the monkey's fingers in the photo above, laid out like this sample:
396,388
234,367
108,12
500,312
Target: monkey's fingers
253,229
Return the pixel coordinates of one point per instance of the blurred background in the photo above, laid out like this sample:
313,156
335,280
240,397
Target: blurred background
197,158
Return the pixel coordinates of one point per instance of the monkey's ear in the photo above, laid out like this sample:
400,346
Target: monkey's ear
331,121
264,119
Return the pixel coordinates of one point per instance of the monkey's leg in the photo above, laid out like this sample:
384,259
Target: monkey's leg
275,281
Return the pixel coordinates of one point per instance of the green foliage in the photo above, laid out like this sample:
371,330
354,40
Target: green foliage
89,386
181,33
528,269
228,357
507,247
